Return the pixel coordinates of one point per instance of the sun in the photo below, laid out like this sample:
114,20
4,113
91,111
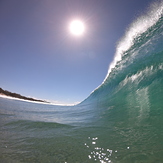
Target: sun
77,27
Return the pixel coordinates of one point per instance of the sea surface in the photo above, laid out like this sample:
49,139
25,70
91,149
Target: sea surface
120,122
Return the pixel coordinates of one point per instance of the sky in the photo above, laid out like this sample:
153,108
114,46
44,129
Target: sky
40,58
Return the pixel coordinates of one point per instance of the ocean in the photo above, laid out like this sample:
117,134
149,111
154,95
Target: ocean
120,122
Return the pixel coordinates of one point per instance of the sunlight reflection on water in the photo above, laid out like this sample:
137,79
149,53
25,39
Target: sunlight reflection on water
98,153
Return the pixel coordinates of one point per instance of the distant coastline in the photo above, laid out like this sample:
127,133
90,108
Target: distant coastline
15,95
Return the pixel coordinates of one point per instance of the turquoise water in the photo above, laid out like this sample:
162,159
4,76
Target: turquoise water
120,122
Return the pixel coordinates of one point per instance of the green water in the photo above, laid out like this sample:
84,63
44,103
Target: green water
129,131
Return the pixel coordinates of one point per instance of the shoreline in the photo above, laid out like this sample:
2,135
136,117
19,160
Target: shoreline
7,94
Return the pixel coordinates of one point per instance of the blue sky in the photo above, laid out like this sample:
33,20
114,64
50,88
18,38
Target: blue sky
40,58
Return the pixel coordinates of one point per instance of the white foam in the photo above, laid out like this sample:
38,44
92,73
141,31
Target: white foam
139,26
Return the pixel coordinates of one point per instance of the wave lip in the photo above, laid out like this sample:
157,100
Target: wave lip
137,28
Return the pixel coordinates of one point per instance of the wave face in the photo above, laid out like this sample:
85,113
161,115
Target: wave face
138,62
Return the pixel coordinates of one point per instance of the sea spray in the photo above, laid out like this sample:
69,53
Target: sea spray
135,30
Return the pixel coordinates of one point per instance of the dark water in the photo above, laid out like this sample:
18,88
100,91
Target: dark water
120,122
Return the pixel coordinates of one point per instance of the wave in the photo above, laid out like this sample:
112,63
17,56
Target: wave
138,62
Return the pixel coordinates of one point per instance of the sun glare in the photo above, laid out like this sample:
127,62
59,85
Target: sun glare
77,27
